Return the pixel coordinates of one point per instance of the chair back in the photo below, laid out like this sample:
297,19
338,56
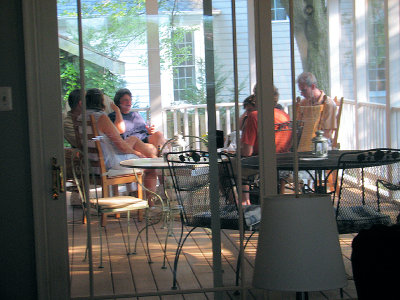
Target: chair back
309,118
357,203
339,107
190,172
95,153
96,160
288,127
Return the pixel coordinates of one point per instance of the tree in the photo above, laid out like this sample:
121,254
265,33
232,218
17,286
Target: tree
96,76
311,33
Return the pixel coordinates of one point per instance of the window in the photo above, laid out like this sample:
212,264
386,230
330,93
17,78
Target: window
376,51
278,11
184,70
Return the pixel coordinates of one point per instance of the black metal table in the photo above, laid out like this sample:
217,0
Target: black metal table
318,168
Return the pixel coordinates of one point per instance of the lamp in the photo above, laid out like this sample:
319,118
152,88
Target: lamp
320,144
298,247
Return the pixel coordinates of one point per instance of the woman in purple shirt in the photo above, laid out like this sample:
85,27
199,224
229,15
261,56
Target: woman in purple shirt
130,123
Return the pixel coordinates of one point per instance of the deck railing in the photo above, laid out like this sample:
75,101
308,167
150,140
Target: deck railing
363,125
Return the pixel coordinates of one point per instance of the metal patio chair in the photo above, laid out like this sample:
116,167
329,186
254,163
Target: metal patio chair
106,205
358,202
191,180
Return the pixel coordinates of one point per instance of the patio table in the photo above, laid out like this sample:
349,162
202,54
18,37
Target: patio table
318,168
157,163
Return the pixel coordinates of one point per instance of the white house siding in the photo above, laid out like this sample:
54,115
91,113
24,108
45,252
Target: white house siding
136,73
223,47
224,54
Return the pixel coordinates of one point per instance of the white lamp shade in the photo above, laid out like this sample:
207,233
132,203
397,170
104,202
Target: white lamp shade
298,247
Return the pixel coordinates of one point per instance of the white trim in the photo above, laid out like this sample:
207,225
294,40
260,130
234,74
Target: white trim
334,35
153,50
393,66
251,42
393,57
46,137
361,52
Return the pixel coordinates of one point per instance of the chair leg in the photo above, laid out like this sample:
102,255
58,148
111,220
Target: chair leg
167,222
105,192
115,190
239,259
128,216
147,238
103,220
100,227
177,254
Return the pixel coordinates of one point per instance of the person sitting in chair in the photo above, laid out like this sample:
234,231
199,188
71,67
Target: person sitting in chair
116,149
313,96
75,104
250,128
130,123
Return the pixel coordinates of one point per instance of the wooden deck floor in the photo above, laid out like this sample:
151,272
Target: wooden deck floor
124,274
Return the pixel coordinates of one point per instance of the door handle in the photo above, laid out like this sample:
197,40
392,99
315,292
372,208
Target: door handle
57,178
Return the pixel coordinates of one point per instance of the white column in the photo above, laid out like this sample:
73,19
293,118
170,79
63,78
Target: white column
153,49
393,69
251,43
360,61
334,33
393,53
360,53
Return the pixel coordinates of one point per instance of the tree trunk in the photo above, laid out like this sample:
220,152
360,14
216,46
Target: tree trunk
311,34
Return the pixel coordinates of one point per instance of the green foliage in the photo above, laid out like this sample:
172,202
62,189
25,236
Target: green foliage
95,76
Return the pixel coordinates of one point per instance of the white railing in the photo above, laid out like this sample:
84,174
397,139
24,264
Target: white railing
370,132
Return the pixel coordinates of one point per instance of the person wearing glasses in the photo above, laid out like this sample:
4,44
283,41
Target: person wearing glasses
307,84
115,149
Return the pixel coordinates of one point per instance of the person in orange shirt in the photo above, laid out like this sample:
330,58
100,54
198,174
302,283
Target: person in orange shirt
249,140
249,123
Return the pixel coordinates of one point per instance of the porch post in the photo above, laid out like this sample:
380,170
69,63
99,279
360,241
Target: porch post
153,49
360,62
251,43
334,49
393,70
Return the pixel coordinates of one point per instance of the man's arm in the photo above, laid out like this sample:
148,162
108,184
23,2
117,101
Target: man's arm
247,150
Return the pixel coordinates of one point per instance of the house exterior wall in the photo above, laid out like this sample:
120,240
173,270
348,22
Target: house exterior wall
136,53
17,266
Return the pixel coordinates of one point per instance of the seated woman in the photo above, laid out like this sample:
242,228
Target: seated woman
249,140
249,122
115,149
130,123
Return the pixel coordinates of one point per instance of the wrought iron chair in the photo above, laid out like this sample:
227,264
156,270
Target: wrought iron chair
190,175
102,206
358,203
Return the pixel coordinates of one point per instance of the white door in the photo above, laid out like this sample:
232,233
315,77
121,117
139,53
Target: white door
46,143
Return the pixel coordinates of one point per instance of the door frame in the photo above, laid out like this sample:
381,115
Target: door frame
46,141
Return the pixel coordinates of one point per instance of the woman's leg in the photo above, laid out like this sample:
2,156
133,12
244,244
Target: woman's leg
148,150
157,139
